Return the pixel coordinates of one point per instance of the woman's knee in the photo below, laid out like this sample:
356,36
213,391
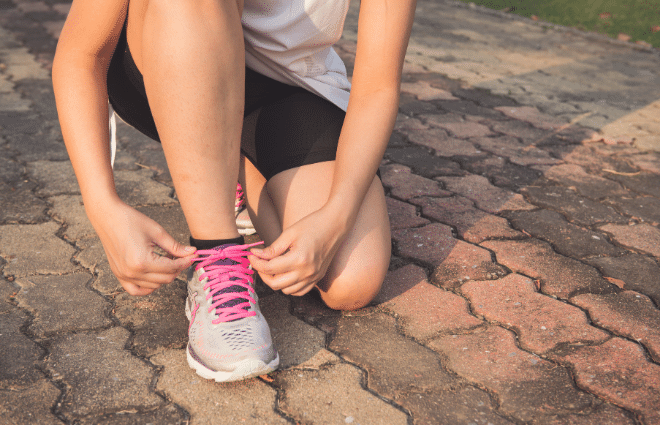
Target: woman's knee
355,289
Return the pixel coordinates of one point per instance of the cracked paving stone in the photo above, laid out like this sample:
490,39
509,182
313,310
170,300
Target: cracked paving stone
295,340
165,415
139,188
567,239
405,185
635,272
100,375
643,182
642,237
34,248
19,356
425,310
580,210
455,261
20,205
587,185
472,224
373,343
487,197
69,209
502,172
541,322
341,384
643,208
48,298
626,314
208,402
517,152
559,276
440,142
30,405
619,372
467,405
526,385
403,215
55,177
423,162
157,320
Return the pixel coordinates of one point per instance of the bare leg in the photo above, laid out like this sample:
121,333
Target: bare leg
359,267
191,55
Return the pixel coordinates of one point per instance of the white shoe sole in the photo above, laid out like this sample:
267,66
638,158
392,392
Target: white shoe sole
244,369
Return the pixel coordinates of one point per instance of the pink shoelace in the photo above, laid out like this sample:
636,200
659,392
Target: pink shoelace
240,199
225,268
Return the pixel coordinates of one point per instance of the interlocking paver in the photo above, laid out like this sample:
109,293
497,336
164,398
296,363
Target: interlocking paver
540,322
587,185
618,371
71,212
531,115
31,405
489,198
642,182
405,185
424,163
517,152
165,415
20,205
559,276
644,208
441,142
526,385
19,356
628,314
502,172
642,237
637,272
403,215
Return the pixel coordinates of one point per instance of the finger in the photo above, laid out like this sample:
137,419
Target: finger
136,290
299,289
157,279
164,265
277,266
303,291
170,245
277,248
282,281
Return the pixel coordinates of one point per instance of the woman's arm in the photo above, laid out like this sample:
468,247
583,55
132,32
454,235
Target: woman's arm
80,68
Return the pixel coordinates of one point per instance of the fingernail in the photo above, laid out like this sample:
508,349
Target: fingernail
190,249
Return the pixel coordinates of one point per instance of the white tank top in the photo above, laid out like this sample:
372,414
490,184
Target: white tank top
291,42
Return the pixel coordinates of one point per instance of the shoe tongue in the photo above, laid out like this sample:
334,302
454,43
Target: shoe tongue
233,288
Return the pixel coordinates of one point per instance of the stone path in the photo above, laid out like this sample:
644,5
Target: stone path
523,185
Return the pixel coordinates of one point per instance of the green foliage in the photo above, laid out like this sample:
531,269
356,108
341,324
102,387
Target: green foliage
640,19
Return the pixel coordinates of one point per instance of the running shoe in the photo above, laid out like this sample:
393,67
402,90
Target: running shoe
243,221
228,337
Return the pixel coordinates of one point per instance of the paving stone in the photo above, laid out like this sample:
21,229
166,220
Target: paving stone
540,322
567,239
148,152
594,161
424,91
486,196
138,188
531,115
643,182
468,405
523,131
30,405
164,415
340,384
55,177
578,209
643,208
405,185
70,211
455,260
171,217
637,272
100,375
404,122
467,107
251,401
642,237
604,414
19,356
526,385
646,162
34,248
403,215
559,276
295,340
424,163
619,372
439,141
628,314
10,171
516,151
19,205
440,119
399,281
482,97
425,310
157,320
473,225
409,105
500,171
44,145
372,342
464,130
48,298
587,185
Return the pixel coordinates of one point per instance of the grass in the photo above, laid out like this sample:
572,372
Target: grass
639,19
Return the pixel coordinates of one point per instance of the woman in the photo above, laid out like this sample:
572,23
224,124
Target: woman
252,93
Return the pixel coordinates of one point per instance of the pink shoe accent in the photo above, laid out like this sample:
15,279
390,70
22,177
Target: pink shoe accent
240,197
226,267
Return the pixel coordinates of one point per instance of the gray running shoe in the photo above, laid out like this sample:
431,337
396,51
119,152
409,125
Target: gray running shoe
228,337
243,221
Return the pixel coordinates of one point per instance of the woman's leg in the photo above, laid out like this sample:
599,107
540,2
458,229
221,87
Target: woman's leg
359,267
191,55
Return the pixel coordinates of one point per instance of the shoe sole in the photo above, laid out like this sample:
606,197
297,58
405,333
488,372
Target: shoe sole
246,231
245,369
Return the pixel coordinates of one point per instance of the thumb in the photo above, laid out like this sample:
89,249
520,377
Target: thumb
171,246
277,248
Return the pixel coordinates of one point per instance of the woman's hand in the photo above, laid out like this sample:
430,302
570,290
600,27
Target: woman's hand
300,257
129,238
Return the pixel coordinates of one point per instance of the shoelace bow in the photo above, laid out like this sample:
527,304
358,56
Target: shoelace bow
222,276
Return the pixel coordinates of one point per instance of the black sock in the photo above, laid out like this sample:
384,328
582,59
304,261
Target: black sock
210,244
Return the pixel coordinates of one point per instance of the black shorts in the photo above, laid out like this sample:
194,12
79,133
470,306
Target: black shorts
284,126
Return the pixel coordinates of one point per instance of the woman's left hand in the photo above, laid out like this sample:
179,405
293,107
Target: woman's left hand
300,257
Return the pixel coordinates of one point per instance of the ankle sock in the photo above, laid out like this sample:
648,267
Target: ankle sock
210,244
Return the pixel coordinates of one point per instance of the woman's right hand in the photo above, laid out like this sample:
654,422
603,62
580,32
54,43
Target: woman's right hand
129,238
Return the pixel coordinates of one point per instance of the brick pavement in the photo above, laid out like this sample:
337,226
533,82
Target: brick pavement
523,190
